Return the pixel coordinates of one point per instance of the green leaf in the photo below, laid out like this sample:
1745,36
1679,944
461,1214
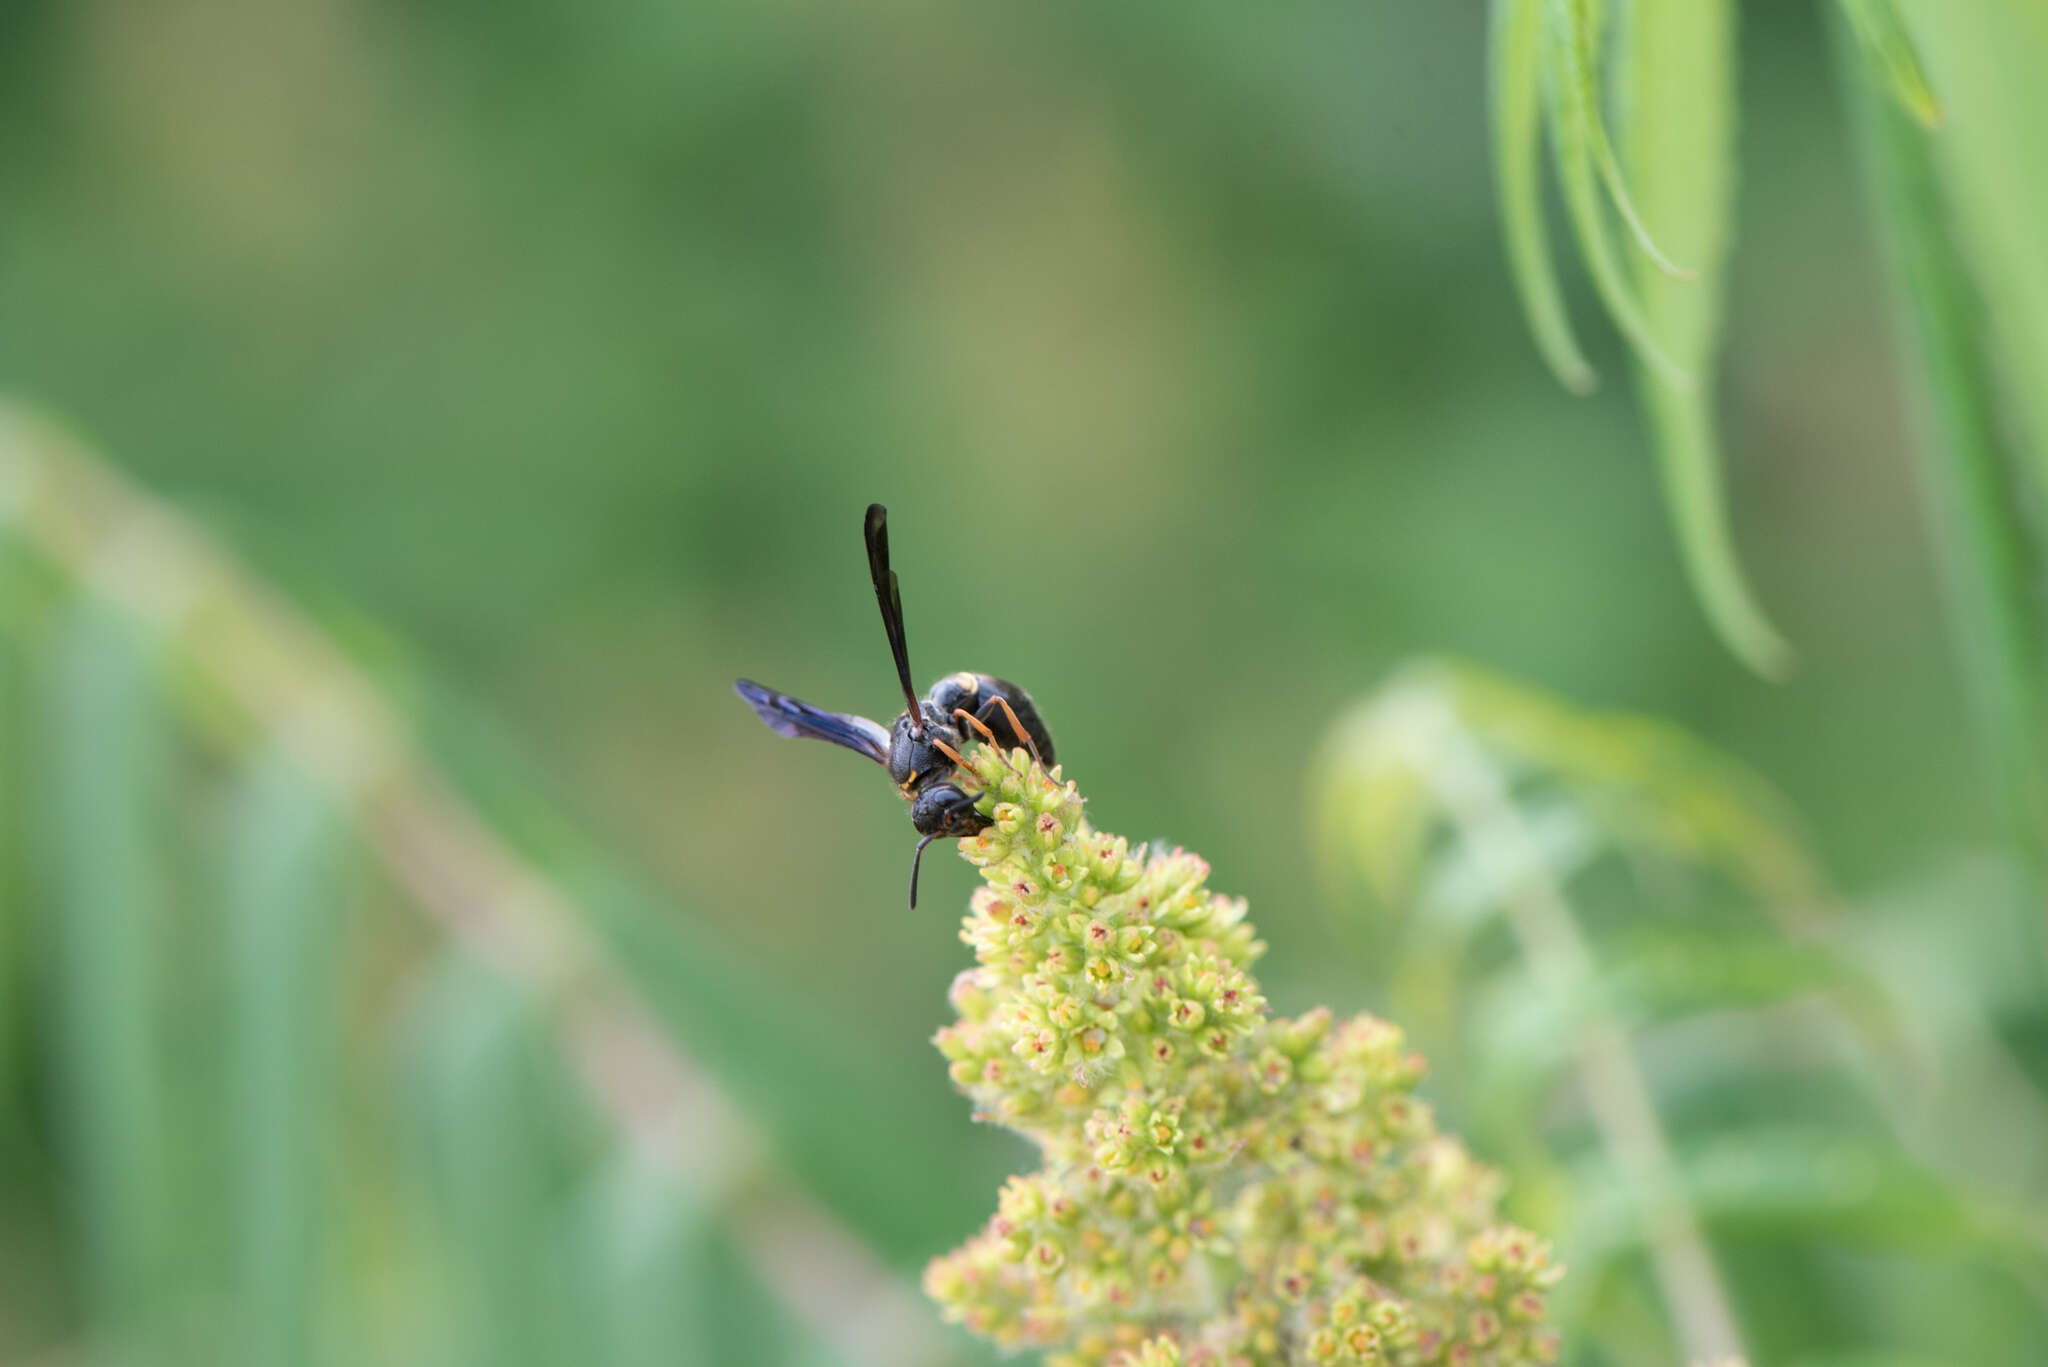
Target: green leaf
1640,784
1647,783
1889,50
1578,23
1804,1182
284,888
1674,84
1987,59
1517,98
106,757
1574,138
1989,570
1523,1035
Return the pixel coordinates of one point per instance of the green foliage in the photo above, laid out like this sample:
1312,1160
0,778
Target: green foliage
107,922
538,354
1959,200
1218,1187
1969,478
1672,73
339,1074
1888,48
1984,63
283,905
1604,923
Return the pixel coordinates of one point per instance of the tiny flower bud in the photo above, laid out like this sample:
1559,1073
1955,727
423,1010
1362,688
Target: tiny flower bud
1113,1019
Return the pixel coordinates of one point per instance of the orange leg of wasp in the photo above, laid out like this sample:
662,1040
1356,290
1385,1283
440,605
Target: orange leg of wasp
976,722
948,751
1018,727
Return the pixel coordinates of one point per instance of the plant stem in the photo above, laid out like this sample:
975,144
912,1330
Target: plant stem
1474,795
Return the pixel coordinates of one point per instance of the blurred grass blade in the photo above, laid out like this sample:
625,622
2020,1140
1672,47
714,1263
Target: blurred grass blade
1674,83
284,889
17,645
1578,25
774,1051
107,763
494,1124
643,1241
1988,568
669,1284
1572,146
1889,50
1517,97
781,1060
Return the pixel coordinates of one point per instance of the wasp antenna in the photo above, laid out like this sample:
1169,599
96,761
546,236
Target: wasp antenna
876,531
916,863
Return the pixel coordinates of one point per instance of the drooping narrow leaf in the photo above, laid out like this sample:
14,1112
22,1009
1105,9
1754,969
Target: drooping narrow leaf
1889,49
1572,143
283,889
1517,97
1987,61
1578,27
1674,84
1988,568
106,761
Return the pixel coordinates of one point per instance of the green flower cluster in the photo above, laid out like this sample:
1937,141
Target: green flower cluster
1219,1186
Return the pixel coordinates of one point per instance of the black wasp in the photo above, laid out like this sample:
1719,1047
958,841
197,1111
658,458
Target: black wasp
922,749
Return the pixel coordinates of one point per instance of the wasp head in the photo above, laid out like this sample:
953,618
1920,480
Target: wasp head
915,758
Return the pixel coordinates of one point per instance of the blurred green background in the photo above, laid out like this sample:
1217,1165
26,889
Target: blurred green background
546,355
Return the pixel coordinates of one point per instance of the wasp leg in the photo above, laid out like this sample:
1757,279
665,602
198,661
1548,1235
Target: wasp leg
948,751
1016,727
976,722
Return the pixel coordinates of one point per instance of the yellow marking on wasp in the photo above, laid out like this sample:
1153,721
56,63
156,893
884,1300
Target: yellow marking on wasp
968,683
911,782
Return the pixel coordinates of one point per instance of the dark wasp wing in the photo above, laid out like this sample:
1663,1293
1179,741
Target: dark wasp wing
786,716
875,530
